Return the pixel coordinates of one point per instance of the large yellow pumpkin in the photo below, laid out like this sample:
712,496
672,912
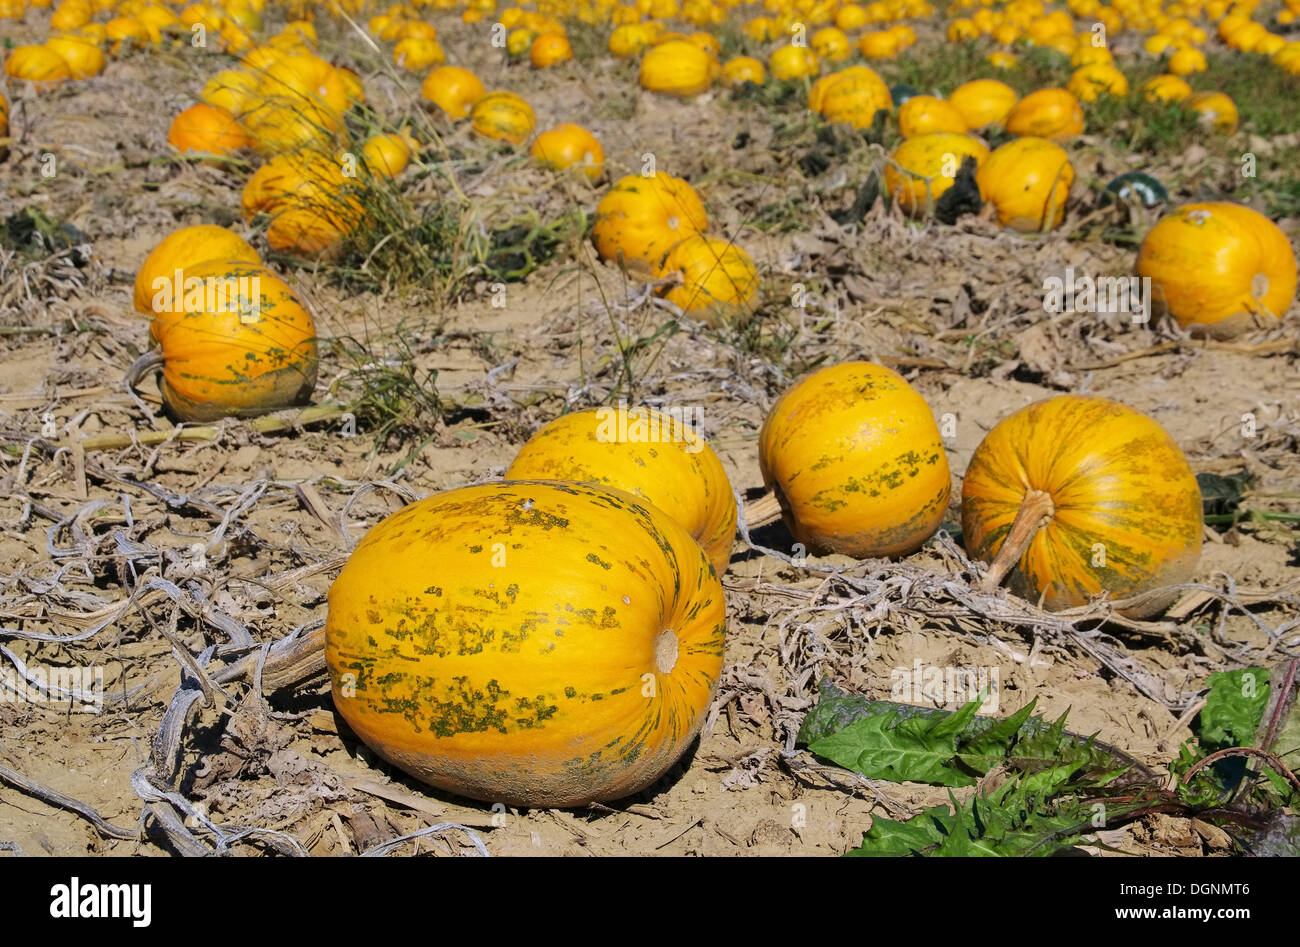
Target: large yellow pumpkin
641,217
1086,496
1048,113
182,249
39,65
452,89
235,343
678,68
851,96
983,102
1219,268
527,642
567,146
84,59
854,460
1028,181
921,169
718,280
655,455
925,115
209,129
503,116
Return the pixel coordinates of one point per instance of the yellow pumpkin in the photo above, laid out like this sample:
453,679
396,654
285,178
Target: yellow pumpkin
678,68
1187,61
628,40
84,59
922,168
1219,268
452,89
1048,113
569,145
207,128
235,343
1165,89
655,455
1088,83
983,102
389,154
743,69
180,250
852,96
39,65
925,115
878,45
549,49
718,279
503,116
793,62
1215,109
1077,496
1028,181
418,53
831,44
855,464
527,642
641,217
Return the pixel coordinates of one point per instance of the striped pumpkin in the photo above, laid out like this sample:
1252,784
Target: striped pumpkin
1110,504
527,642
648,453
854,458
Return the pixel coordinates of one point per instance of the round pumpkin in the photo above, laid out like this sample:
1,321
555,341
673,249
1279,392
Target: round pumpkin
853,458
924,167
718,279
569,145
180,250
452,89
880,44
39,65
388,154
1165,88
1215,109
549,49
641,217
84,59
418,53
1078,495
1028,181
677,68
1187,61
793,62
209,129
655,455
831,43
1090,82
743,69
983,102
1047,113
235,343
926,114
527,642
503,116
852,96
1219,268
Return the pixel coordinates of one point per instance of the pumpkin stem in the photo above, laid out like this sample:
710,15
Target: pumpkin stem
144,365
764,510
1036,511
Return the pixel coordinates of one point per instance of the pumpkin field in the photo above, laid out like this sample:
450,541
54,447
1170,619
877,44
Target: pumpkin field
649,427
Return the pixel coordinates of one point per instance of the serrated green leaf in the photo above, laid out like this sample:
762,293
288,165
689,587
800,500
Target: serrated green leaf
1233,708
